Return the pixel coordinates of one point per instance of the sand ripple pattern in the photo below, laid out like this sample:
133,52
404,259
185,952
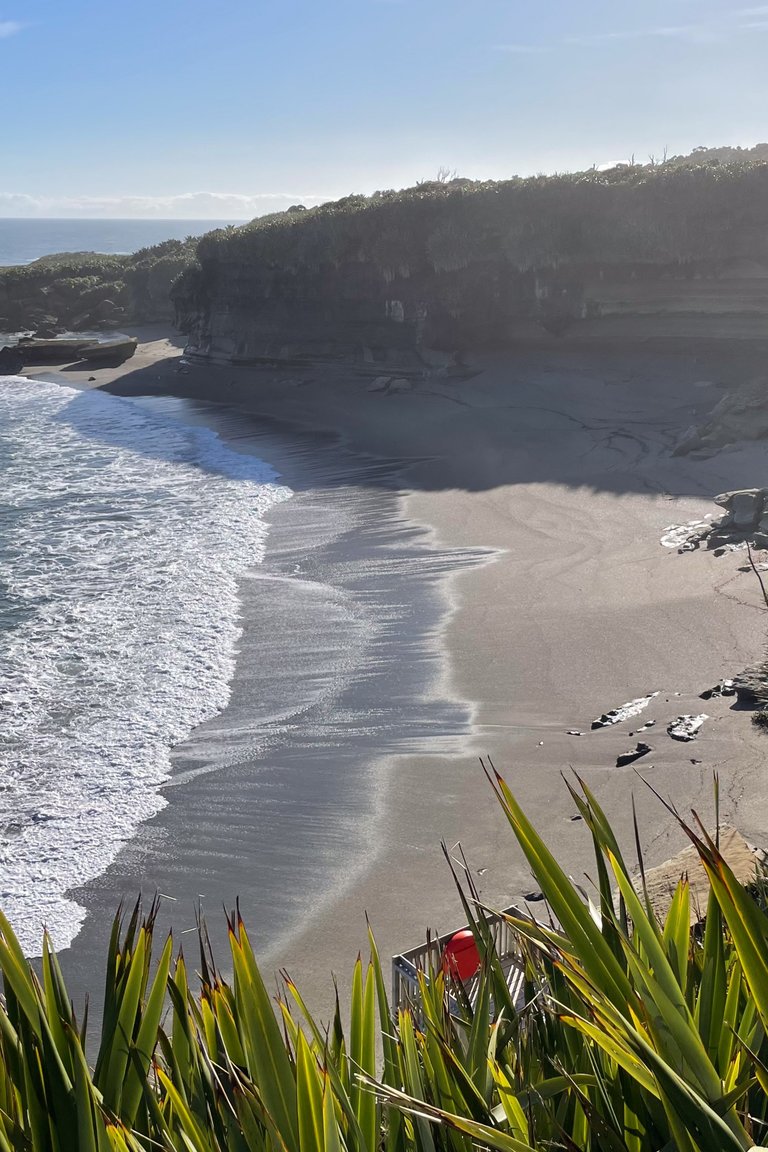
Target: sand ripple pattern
122,537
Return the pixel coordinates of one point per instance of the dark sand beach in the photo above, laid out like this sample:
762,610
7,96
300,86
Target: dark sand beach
469,568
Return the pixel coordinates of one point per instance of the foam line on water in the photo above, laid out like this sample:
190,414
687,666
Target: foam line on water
122,537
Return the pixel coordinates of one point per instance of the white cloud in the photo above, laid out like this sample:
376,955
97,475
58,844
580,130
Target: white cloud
9,28
184,206
664,31
708,31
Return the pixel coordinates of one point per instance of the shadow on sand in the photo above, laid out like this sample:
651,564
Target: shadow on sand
599,419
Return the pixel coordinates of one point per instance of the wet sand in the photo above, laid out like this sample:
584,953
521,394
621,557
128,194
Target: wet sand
486,574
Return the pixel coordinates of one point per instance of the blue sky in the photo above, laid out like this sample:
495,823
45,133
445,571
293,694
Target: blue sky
201,109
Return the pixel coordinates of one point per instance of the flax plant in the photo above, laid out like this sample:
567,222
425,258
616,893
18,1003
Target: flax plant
632,1035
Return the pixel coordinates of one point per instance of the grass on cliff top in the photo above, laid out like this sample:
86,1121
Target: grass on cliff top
634,1035
676,211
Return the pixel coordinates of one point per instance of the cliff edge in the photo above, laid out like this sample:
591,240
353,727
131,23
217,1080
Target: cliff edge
676,251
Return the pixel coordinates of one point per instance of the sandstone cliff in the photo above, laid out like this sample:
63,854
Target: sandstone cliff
678,250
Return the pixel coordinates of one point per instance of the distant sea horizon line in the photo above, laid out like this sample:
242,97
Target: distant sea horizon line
136,219
24,239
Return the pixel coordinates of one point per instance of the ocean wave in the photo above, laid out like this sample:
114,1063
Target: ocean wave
122,537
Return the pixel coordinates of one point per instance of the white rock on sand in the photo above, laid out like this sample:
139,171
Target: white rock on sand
625,712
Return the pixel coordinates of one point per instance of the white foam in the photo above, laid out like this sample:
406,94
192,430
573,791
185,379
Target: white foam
122,537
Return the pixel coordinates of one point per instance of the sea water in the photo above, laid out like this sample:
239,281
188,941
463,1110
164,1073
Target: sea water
22,241
123,534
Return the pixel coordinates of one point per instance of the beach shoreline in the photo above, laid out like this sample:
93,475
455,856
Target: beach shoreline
558,466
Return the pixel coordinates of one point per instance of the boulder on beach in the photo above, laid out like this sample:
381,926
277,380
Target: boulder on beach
744,507
640,749
624,712
722,688
11,362
686,727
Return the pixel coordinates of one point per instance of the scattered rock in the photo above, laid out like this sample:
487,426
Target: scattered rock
686,727
576,818
745,517
379,384
722,688
533,897
648,724
639,750
573,732
11,362
625,712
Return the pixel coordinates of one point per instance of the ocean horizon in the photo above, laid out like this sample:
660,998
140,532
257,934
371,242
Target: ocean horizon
24,240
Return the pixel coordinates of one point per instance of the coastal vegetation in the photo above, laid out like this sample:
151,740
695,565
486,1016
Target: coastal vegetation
676,211
449,249
85,290
635,1035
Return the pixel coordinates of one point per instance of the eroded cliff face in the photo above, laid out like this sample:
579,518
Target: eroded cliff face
242,312
425,276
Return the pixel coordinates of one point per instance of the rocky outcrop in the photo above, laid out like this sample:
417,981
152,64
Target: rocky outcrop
745,518
752,686
740,415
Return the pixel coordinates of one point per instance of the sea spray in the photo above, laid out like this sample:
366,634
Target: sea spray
122,538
